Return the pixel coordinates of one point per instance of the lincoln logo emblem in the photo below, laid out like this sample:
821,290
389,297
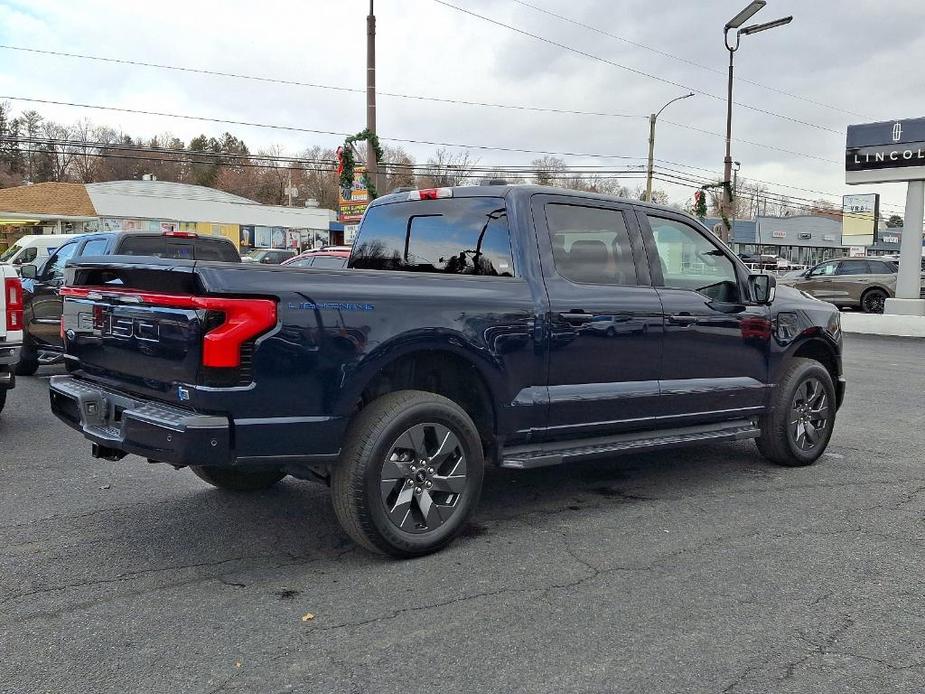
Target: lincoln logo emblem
897,132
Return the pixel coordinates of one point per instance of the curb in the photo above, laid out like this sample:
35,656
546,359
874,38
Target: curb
883,324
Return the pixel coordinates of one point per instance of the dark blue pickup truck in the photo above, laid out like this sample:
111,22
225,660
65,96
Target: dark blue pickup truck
518,326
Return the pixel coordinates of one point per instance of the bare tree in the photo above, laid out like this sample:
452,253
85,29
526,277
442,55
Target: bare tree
56,154
398,167
318,177
548,170
447,169
85,154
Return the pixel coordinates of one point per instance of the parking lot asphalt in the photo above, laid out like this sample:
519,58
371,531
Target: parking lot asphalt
695,570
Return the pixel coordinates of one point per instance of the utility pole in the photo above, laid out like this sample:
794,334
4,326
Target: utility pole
372,166
652,118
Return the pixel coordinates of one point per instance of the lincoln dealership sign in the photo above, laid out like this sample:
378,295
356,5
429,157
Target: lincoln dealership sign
885,152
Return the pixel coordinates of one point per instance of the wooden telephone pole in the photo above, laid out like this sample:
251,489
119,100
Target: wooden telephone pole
372,166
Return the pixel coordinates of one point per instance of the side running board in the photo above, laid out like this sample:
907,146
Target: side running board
558,452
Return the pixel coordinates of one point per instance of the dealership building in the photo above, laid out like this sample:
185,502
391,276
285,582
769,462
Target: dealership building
148,205
800,239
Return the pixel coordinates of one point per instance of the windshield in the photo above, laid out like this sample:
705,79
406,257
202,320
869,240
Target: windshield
10,252
256,255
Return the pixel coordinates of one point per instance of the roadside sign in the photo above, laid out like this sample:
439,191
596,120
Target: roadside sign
352,203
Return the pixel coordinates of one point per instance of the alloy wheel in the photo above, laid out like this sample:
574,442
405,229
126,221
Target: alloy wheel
423,478
809,414
874,302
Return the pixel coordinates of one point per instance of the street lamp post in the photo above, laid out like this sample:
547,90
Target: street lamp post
652,118
736,23
735,190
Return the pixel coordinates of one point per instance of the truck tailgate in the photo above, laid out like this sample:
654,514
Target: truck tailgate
149,327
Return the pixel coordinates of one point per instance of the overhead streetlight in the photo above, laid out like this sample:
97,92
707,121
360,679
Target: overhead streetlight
755,28
652,118
746,14
735,23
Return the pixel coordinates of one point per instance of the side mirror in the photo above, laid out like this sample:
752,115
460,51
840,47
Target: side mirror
29,272
763,288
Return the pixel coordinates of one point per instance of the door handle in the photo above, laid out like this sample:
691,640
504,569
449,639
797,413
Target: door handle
576,316
682,319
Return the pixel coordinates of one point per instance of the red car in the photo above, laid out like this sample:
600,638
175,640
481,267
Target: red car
332,257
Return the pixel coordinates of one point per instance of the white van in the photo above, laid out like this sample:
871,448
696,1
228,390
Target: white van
33,249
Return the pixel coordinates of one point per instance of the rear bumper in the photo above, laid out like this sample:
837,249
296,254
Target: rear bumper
9,353
9,357
120,422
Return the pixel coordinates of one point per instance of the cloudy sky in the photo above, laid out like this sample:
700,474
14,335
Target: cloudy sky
839,62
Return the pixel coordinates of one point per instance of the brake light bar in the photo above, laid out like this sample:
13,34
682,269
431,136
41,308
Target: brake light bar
12,291
182,234
244,319
430,193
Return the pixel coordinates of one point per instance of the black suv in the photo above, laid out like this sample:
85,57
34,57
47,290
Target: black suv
42,343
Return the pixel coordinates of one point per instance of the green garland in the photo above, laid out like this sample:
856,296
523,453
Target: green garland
348,162
700,204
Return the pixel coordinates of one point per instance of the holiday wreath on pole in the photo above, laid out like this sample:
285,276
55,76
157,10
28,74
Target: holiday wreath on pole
347,163
700,204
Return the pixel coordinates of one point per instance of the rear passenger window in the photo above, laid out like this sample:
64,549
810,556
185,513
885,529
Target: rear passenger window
590,245
852,267
459,236
879,267
95,247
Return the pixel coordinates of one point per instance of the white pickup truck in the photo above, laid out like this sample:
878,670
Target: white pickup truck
11,322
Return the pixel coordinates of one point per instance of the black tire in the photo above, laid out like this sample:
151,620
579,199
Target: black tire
873,301
236,479
2,398
780,440
394,449
28,360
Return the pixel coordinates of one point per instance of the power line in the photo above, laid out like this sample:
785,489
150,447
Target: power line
291,128
687,61
633,70
314,85
539,109
758,180
750,142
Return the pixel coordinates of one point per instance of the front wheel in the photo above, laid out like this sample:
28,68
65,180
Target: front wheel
410,474
238,480
798,428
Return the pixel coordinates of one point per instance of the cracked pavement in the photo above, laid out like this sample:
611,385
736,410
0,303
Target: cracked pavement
695,570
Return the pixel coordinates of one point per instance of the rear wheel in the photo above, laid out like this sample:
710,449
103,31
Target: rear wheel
410,474
28,360
2,398
238,480
799,426
873,301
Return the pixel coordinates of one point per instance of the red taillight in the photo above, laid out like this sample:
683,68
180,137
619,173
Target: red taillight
182,234
12,290
430,194
244,319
